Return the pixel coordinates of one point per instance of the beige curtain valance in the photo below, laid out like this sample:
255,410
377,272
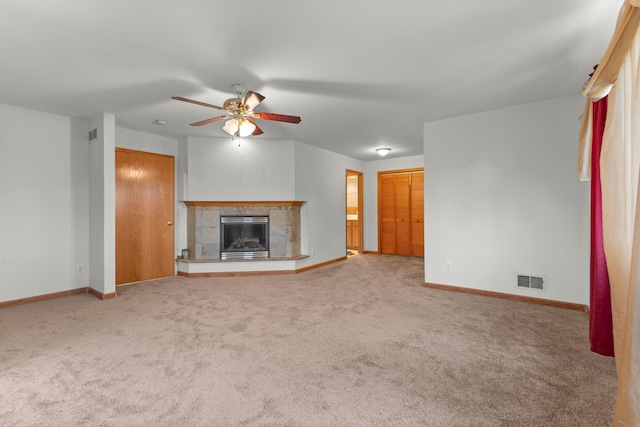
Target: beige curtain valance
599,85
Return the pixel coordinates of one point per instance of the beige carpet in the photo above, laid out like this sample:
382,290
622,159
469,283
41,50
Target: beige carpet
357,343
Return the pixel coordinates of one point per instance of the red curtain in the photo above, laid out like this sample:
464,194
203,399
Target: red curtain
600,321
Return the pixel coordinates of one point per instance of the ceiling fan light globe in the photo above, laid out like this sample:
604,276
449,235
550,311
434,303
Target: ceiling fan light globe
231,126
246,128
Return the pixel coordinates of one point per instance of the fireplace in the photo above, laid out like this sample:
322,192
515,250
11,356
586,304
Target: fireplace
244,236
205,238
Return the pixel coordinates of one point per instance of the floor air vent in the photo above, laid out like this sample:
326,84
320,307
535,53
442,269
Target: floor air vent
531,282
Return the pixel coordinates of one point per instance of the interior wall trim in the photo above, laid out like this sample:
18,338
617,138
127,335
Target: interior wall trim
100,295
322,264
44,297
512,297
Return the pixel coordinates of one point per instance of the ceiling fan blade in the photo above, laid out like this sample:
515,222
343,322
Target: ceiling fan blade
277,117
207,121
191,101
251,100
257,131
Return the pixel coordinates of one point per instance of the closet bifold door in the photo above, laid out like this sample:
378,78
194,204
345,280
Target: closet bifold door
403,213
401,228
417,213
388,214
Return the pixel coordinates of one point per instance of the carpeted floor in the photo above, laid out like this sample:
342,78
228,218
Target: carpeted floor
356,343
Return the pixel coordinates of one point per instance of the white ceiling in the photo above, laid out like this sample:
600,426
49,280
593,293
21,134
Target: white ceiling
361,74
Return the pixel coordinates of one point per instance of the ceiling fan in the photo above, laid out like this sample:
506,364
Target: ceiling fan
240,114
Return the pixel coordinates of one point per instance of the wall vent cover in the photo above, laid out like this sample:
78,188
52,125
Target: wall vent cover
93,134
531,282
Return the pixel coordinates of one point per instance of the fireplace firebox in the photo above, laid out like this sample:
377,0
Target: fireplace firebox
244,237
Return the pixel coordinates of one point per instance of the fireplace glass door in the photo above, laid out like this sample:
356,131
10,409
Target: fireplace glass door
244,237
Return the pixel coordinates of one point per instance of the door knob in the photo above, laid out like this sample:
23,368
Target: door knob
169,223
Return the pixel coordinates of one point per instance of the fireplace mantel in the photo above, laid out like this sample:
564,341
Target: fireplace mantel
244,203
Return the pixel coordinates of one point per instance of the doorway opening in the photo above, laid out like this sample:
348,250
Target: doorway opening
355,208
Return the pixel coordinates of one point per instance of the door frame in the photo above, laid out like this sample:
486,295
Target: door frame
360,177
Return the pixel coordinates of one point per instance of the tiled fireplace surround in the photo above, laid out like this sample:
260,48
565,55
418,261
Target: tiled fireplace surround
203,227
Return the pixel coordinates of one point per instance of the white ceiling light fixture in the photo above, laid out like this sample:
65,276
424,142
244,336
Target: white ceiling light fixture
231,127
239,127
383,151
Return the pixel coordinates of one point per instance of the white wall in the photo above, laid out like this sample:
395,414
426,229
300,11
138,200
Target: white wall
321,181
102,203
44,209
371,193
501,198
258,169
80,196
134,140
182,191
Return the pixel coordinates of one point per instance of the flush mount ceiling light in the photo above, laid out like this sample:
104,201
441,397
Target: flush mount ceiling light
160,122
383,151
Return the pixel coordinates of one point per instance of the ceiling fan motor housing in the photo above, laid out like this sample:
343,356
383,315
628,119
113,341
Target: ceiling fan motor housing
232,104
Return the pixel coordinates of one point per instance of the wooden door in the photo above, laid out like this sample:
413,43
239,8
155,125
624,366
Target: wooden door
417,213
403,213
144,216
401,223
387,214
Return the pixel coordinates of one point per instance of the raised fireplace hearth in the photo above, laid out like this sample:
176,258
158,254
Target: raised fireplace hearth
233,231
